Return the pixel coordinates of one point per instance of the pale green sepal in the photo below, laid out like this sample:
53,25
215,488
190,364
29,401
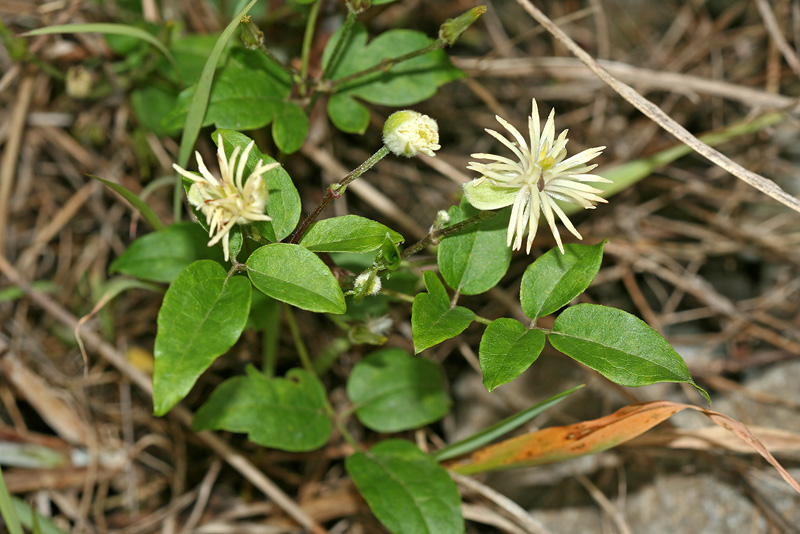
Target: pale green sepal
487,196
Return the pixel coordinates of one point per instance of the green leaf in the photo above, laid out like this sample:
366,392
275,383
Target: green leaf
390,252
290,128
283,202
150,104
148,214
619,346
393,391
349,233
507,349
491,433
406,83
296,276
160,256
554,279
191,52
107,28
473,260
287,414
407,490
432,318
203,314
347,114
240,99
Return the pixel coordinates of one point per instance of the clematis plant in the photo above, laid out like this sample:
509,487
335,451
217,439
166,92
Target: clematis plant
274,262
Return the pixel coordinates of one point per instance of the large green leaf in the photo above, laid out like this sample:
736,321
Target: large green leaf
348,233
283,202
406,489
554,279
240,99
203,314
287,414
433,320
473,260
160,256
295,275
393,391
619,346
507,349
406,83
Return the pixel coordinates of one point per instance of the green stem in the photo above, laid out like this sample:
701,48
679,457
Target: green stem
343,38
288,69
336,190
308,37
437,235
410,298
385,65
302,352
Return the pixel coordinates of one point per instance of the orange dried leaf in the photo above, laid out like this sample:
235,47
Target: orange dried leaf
564,442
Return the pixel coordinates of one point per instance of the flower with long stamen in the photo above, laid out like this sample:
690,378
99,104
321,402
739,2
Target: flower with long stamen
541,175
231,199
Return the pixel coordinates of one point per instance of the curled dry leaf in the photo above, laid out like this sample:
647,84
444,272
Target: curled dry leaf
560,443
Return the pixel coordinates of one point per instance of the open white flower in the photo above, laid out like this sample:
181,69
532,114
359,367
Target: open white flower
534,182
230,200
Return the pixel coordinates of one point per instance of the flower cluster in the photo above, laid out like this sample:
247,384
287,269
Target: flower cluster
540,176
230,200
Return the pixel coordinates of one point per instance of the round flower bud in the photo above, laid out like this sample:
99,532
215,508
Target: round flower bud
407,132
362,279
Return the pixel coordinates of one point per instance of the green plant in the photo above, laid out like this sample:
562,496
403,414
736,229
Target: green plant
265,261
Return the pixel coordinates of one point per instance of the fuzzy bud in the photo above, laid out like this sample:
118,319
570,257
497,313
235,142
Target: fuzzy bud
360,285
407,132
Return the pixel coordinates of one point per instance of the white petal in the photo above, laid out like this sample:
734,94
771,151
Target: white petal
242,164
508,144
518,136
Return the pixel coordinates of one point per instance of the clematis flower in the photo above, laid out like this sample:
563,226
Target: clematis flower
231,199
532,184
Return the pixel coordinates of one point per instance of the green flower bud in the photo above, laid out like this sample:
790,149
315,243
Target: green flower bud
358,6
251,35
407,132
452,29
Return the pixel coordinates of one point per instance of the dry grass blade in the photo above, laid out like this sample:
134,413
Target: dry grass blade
655,113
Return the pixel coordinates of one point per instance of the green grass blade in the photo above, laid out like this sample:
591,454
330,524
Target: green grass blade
34,521
108,28
627,174
500,428
199,104
148,214
7,510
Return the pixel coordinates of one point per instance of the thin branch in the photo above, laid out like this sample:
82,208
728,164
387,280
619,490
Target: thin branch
655,113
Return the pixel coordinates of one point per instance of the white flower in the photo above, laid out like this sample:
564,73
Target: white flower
407,132
230,200
534,182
